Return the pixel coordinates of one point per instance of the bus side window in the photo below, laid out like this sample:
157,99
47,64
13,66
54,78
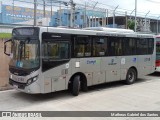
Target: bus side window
82,46
112,46
142,46
99,46
129,46
151,45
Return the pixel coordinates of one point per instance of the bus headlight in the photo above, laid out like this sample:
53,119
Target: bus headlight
31,80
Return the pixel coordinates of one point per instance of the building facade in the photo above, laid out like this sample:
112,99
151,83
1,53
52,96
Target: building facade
15,14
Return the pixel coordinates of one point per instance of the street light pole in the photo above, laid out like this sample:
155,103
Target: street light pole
135,20
114,16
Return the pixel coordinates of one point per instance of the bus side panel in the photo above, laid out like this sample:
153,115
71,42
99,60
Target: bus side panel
144,65
87,66
126,63
57,79
111,66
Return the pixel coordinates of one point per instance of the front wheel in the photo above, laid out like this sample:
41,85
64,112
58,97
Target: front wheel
131,76
76,86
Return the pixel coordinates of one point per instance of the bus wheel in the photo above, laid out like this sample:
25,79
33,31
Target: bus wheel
76,86
131,76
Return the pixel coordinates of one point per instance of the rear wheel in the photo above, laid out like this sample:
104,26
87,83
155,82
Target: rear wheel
76,86
131,76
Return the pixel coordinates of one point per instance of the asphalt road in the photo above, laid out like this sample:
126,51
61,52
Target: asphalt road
144,95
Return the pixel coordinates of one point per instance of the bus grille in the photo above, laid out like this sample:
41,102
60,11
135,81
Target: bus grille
19,85
18,72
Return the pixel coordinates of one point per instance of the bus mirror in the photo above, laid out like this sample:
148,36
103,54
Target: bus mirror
5,47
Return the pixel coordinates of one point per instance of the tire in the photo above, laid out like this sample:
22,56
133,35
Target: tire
131,76
84,87
76,86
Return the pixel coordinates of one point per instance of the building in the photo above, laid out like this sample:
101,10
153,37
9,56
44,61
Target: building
81,18
15,14
89,18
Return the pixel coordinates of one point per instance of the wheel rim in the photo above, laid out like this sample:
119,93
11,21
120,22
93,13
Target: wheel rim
131,76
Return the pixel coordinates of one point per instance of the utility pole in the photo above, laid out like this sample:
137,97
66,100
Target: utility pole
44,9
13,11
35,12
135,20
51,10
72,10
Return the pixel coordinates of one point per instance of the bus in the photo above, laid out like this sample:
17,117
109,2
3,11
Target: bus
49,59
158,53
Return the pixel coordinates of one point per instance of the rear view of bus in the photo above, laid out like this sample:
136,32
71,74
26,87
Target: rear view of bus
158,53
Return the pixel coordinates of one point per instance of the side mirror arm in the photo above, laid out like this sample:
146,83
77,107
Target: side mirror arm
5,46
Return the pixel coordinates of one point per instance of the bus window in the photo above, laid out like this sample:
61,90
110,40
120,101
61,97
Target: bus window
142,46
82,46
55,51
129,46
151,46
99,46
115,46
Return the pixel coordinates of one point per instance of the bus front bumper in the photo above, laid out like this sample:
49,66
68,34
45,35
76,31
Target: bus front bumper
33,88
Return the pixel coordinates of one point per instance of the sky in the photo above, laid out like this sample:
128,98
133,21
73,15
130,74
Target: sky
143,6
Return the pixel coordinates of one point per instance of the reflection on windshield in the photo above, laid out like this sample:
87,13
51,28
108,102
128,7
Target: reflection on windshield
25,54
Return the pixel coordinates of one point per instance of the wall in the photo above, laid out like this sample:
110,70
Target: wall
4,60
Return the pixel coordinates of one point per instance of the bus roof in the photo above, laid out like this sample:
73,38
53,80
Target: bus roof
157,36
100,31
117,30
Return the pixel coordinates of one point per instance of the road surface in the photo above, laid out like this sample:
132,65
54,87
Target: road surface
144,95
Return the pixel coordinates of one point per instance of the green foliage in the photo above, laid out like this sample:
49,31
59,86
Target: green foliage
5,35
131,24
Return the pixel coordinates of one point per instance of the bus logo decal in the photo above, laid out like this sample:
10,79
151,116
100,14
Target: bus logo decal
147,59
134,60
93,62
112,62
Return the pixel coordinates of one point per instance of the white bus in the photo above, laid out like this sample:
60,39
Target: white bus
49,59
158,53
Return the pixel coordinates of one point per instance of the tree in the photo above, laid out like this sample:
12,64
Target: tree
131,24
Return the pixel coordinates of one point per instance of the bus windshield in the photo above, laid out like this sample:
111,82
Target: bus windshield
25,54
